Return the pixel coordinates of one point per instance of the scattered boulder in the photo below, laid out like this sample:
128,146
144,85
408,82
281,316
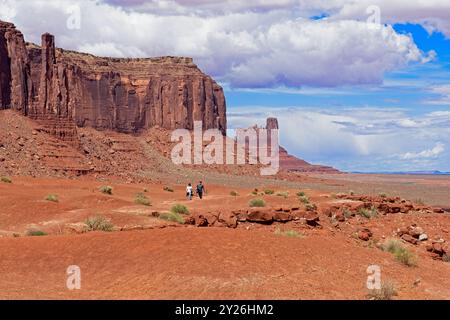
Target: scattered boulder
241,215
282,217
412,233
339,216
228,219
385,205
437,249
330,210
354,206
402,231
220,219
189,220
260,215
155,214
364,234
201,221
415,231
393,208
312,219
409,238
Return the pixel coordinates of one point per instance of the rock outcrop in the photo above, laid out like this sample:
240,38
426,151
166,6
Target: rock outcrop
124,95
15,81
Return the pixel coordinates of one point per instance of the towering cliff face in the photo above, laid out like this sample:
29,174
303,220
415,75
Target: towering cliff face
125,95
15,79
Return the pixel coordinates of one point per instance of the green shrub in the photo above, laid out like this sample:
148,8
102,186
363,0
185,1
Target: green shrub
255,192
368,213
400,253
179,208
106,190
234,193
387,292
145,190
36,233
288,233
269,191
257,203
142,199
406,257
392,245
99,223
6,180
284,194
382,195
52,198
168,189
304,199
351,192
310,207
446,258
301,194
172,216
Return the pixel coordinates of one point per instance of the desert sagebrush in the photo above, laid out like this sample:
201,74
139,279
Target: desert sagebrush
98,223
172,216
179,208
257,203
106,190
142,199
52,198
386,292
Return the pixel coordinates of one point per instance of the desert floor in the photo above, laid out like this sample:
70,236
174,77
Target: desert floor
155,259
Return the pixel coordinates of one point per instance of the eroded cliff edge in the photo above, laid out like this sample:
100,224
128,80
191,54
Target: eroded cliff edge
124,95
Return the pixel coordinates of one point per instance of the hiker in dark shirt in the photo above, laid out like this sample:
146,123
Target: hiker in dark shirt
200,190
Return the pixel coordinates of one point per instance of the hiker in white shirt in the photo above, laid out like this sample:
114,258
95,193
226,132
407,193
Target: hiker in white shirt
189,191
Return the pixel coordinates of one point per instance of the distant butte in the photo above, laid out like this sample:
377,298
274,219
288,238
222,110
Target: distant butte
293,164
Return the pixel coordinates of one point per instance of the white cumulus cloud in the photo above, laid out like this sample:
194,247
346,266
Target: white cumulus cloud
254,44
430,153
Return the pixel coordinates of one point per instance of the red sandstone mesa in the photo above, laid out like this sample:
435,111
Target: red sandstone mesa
124,95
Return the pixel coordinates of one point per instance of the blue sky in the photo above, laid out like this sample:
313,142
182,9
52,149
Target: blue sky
407,88
407,91
361,85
